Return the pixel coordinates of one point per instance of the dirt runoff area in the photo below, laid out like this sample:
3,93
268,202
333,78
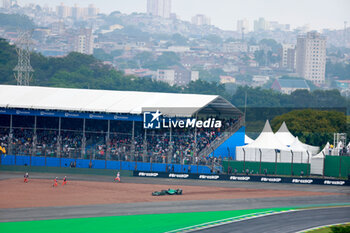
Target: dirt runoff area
14,193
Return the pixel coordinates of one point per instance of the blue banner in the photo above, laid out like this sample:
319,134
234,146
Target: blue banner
95,116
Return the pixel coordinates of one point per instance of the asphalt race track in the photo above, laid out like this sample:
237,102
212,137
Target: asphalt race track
286,222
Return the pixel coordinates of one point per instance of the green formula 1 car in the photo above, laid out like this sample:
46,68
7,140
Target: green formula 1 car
168,192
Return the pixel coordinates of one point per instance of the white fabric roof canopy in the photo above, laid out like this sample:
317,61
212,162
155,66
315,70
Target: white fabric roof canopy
287,138
267,140
247,139
284,135
132,102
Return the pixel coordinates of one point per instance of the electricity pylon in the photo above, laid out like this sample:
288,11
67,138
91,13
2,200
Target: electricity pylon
23,70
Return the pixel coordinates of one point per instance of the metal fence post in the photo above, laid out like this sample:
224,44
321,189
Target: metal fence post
228,161
260,161
324,163
275,162
340,165
243,160
292,162
308,163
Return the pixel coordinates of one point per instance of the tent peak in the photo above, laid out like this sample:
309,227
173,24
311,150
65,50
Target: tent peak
283,128
267,127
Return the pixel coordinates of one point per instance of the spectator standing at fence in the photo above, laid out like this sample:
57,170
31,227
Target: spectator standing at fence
26,177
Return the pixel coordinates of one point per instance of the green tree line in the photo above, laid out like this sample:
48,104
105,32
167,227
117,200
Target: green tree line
313,126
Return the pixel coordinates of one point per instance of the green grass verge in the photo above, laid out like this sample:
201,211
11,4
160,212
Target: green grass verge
133,223
326,229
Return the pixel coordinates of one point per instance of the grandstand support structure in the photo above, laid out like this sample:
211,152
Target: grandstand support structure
222,138
35,137
108,140
9,149
23,70
59,138
132,146
195,140
170,152
83,144
144,146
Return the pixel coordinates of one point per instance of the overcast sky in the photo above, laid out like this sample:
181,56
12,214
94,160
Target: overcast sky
318,14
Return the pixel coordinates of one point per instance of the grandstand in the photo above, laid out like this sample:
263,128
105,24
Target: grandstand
108,125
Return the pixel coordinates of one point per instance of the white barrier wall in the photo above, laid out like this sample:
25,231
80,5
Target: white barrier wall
269,155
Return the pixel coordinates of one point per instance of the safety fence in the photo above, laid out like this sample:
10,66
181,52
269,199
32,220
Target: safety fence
249,167
337,166
100,164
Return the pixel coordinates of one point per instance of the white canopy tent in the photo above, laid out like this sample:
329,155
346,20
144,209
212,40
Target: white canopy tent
287,138
313,149
284,135
272,150
247,139
317,161
301,155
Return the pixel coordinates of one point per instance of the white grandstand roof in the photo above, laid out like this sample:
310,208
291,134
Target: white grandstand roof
129,102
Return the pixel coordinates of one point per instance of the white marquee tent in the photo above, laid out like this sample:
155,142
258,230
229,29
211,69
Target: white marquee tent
287,138
300,154
271,148
247,139
313,149
317,161
284,135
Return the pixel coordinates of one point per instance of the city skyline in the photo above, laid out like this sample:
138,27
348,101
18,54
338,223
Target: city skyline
318,14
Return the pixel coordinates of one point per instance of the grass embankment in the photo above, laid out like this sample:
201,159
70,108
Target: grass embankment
149,223
328,229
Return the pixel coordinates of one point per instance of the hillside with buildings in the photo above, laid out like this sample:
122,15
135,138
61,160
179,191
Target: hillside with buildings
157,45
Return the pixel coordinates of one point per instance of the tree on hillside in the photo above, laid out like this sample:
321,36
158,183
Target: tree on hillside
274,45
8,61
256,97
102,55
179,39
15,21
203,87
341,71
215,39
164,61
212,75
314,127
144,58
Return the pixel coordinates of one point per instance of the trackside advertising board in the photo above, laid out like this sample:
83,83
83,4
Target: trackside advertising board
225,177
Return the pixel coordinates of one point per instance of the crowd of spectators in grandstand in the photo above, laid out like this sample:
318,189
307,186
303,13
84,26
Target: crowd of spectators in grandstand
158,146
